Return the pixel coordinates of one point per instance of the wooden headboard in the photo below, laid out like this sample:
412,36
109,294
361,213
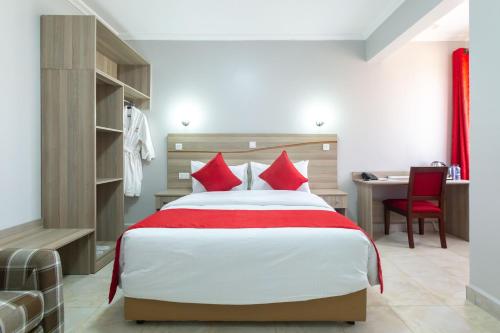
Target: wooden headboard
235,148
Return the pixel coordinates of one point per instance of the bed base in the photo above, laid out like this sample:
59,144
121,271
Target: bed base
348,308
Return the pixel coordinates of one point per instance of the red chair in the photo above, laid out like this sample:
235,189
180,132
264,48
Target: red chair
426,183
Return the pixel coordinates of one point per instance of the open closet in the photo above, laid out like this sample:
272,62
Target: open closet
87,74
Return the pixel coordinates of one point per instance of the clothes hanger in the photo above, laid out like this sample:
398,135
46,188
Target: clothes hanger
129,106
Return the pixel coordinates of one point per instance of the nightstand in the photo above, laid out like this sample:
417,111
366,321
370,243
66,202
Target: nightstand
164,197
334,197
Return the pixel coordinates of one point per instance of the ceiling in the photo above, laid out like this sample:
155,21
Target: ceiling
243,19
454,26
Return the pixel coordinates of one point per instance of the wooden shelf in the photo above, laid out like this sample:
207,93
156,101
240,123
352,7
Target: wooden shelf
129,92
100,181
134,94
107,129
115,48
44,238
107,79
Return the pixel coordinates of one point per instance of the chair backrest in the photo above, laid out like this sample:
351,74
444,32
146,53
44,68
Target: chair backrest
427,183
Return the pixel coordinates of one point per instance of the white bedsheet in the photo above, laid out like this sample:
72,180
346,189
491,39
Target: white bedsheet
246,266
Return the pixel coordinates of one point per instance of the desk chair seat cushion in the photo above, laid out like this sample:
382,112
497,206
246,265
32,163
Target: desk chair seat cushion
418,206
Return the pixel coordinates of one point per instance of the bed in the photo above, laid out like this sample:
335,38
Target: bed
256,272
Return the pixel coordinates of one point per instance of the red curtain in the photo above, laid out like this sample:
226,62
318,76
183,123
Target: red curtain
461,111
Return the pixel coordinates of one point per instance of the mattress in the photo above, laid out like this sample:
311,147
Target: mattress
246,266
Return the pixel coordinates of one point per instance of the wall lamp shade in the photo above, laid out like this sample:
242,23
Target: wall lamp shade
185,122
320,123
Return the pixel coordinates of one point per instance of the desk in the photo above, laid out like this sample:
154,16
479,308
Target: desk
371,194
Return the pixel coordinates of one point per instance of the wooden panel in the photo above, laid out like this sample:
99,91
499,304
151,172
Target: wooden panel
109,106
106,65
350,307
41,238
457,211
109,211
364,209
109,155
202,147
137,77
68,148
77,257
68,42
116,49
20,229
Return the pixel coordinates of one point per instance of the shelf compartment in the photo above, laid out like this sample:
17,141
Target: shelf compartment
109,204
104,253
100,181
109,107
103,248
129,93
134,94
107,129
109,155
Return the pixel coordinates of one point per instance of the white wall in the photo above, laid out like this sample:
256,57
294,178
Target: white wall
388,115
20,109
485,155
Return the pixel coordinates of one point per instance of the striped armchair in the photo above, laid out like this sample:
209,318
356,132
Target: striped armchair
31,295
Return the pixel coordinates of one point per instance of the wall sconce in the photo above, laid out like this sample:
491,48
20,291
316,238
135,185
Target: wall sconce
320,123
185,123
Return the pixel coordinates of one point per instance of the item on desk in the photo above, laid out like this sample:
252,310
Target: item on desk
438,164
398,177
455,172
368,176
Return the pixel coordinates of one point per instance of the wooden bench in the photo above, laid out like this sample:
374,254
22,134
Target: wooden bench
73,245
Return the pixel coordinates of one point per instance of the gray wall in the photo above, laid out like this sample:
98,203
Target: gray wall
485,153
20,112
388,115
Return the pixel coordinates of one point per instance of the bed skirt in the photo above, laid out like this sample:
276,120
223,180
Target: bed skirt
350,307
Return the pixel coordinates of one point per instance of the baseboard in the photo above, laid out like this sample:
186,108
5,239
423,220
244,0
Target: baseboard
486,302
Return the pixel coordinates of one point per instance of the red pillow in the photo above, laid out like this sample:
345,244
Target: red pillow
216,175
283,175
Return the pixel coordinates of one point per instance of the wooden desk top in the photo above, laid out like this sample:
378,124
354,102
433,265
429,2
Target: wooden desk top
182,192
356,178
403,182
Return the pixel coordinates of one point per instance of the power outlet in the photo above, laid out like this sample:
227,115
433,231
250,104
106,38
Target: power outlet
252,144
326,146
178,146
184,175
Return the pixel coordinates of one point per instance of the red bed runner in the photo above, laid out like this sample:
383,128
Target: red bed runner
234,219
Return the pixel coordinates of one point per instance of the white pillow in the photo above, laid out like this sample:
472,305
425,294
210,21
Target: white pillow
260,184
240,171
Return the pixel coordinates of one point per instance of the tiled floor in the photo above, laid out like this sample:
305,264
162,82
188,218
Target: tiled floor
424,292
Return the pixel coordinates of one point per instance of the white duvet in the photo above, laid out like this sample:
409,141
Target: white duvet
246,266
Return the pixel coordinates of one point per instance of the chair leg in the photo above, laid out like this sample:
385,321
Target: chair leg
421,225
387,220
409,228
442,232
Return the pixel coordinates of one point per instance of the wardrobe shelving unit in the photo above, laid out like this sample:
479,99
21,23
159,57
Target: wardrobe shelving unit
87,74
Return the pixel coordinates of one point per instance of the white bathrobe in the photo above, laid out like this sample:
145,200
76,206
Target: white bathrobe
137,143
